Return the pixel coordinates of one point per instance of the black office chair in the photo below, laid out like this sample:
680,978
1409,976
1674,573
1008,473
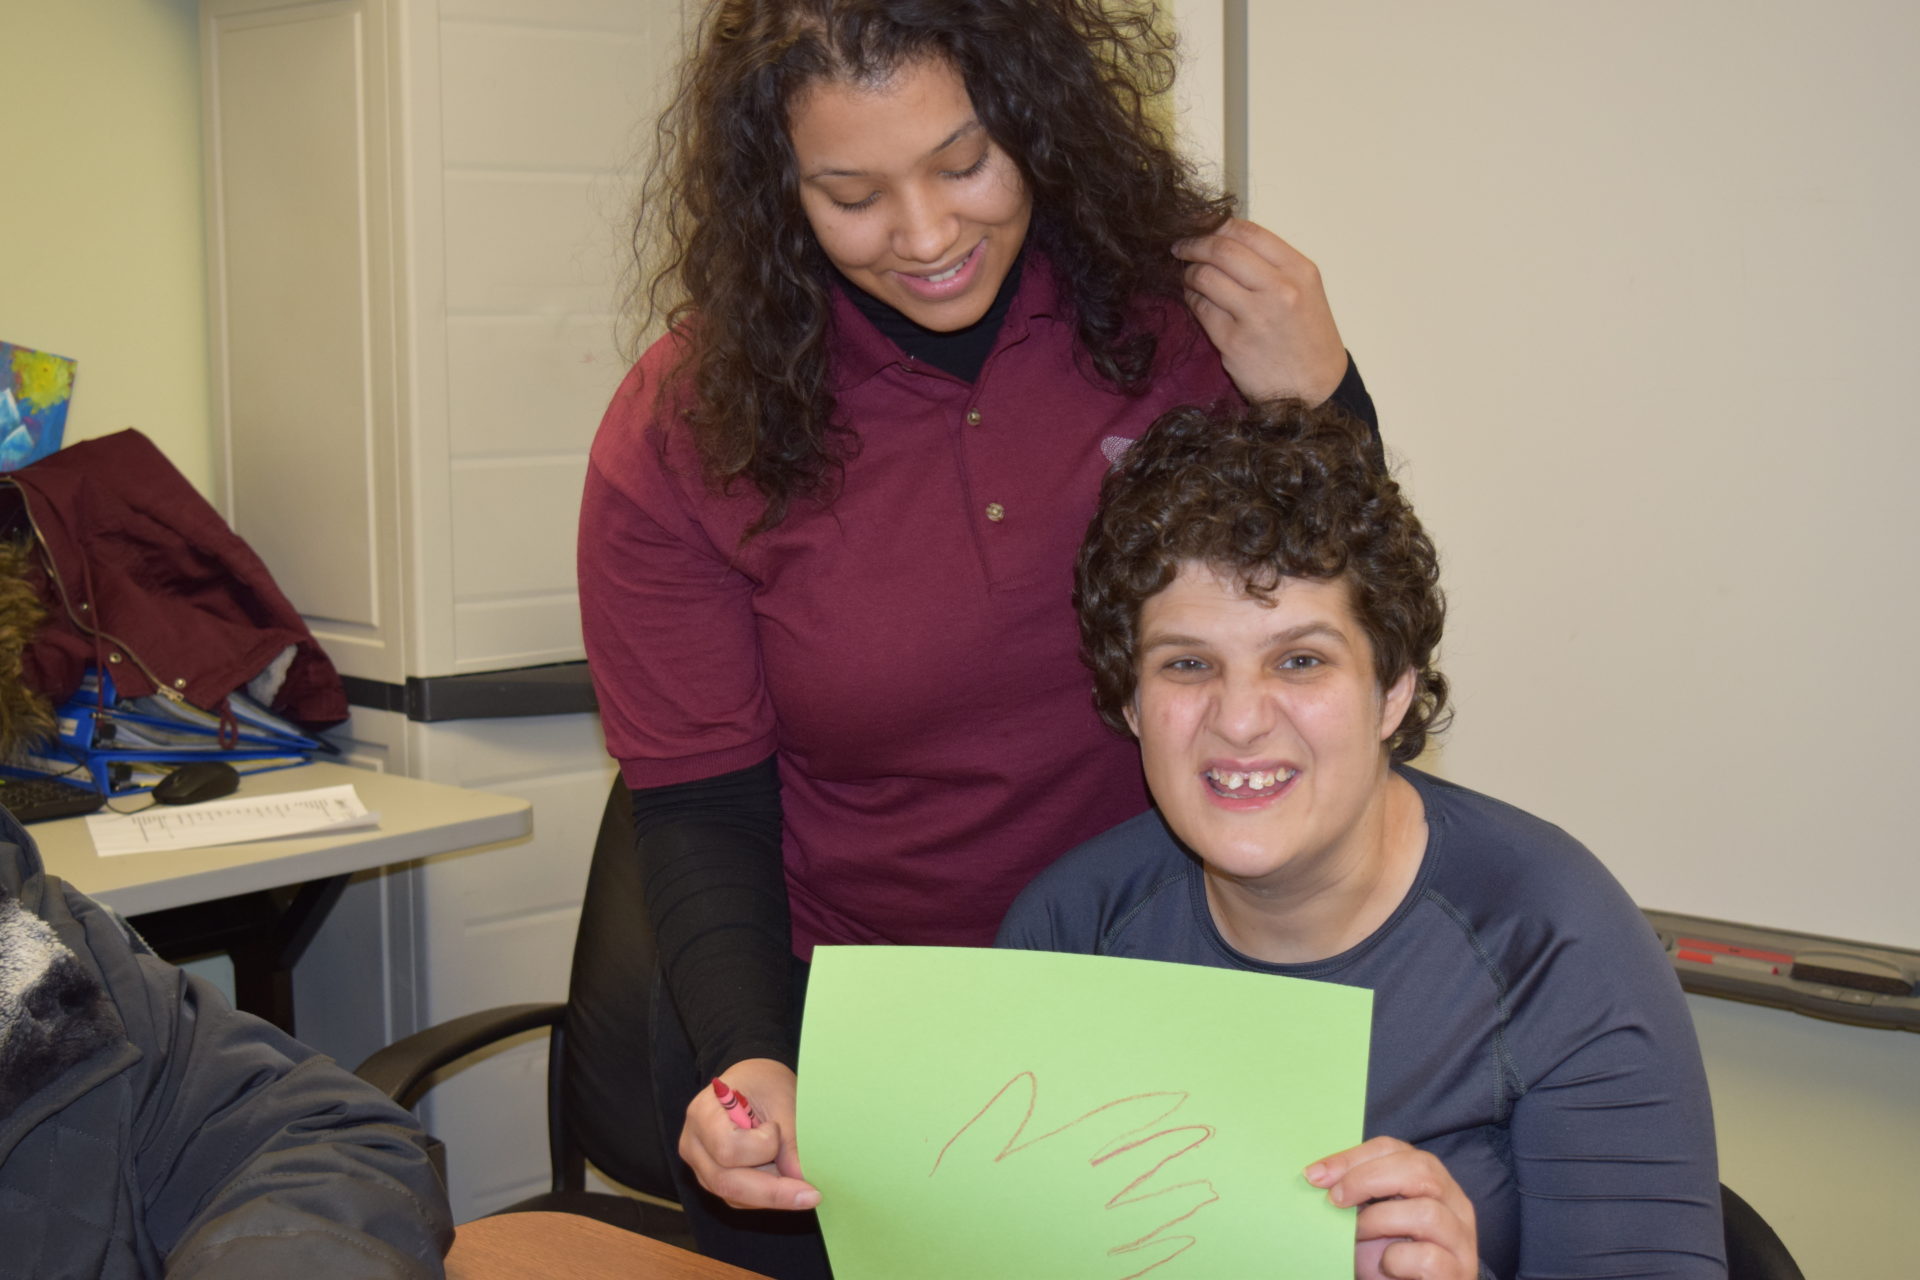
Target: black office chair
600,1103
1754,1252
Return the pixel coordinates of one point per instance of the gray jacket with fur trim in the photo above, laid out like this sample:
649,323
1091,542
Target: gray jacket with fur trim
148,1129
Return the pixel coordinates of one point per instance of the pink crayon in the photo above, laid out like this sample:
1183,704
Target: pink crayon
735,1104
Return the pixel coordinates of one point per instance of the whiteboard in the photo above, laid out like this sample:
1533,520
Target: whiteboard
1636,287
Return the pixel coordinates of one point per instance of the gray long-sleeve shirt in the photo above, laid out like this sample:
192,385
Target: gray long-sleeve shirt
1527,1028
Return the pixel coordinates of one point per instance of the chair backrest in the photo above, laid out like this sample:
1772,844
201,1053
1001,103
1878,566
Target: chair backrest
607,1098
1754,1252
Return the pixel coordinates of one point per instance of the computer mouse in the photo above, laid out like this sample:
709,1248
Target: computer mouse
195,781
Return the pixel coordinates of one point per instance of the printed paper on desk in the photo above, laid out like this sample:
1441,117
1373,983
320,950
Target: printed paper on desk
972,1113
235,821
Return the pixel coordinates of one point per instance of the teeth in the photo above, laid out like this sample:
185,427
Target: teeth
953,270
1259,780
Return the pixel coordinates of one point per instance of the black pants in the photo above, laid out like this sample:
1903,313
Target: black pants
780,1244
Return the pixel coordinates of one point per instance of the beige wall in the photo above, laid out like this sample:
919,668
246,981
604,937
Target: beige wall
1637,291
102,220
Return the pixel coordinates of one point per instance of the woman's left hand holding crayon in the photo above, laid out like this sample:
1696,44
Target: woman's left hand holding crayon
755,1165
1415,1223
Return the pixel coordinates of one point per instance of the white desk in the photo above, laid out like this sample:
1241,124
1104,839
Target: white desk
417,819
234,897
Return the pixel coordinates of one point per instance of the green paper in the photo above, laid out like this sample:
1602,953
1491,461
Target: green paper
975,1113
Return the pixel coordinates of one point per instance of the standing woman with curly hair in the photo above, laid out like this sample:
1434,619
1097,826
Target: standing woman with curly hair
929,265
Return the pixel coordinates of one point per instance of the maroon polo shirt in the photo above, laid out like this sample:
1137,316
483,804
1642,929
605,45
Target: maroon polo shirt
908,652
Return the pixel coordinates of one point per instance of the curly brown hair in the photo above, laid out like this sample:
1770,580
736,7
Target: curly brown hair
1262,492
1062,86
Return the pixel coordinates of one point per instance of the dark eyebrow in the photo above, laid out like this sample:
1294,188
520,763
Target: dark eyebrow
970,127
1306,629
1171,642
1291,635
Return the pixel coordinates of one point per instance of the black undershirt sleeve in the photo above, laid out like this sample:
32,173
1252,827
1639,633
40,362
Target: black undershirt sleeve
717,896
1352,396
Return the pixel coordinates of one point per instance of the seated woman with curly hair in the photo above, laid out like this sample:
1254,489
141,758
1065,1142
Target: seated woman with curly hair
1260,608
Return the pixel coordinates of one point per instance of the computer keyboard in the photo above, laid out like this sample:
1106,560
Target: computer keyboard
38,799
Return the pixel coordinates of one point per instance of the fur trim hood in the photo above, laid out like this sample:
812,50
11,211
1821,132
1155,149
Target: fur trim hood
54,1013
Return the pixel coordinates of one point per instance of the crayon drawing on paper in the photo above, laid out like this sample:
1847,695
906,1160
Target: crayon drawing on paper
972,1113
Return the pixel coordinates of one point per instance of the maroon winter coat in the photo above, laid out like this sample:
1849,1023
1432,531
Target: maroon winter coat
141,576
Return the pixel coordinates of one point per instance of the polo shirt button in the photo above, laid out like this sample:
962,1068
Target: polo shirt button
973,420
996,512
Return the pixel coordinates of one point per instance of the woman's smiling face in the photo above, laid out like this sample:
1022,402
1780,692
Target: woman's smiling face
907,195
1261,726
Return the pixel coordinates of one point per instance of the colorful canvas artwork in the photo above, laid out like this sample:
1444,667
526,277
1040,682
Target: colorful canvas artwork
34,390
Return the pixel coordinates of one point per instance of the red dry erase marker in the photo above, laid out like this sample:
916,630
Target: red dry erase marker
1731,949
735,1104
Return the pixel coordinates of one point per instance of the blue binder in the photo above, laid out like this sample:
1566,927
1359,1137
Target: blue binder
123,746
